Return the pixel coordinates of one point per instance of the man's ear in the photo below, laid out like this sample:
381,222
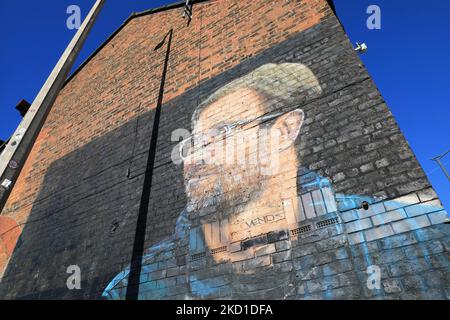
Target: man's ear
289,126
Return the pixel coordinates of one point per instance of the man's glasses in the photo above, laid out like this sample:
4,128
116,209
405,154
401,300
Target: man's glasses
201,140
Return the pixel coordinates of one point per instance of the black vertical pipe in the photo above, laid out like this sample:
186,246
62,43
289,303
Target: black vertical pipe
141,224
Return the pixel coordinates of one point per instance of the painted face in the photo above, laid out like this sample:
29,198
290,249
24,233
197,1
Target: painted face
223,166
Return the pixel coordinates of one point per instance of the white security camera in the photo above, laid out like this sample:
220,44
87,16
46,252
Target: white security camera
361,47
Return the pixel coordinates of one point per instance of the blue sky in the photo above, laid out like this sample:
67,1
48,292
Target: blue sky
408,59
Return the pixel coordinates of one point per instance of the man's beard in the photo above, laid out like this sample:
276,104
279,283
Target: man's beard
223,188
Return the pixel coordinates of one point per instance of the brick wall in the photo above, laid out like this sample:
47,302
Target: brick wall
77,198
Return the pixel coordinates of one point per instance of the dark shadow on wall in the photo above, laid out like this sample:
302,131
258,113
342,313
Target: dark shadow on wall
85,213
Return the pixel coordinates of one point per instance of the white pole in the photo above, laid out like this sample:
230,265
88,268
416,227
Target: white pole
16,151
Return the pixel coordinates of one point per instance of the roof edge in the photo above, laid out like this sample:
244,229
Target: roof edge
175,5
332,6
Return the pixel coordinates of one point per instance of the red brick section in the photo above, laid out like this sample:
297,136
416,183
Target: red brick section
9,234
107,92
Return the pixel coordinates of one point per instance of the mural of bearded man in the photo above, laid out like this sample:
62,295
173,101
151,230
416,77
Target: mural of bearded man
244,185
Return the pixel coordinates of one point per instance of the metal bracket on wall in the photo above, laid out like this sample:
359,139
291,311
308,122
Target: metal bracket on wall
188,10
